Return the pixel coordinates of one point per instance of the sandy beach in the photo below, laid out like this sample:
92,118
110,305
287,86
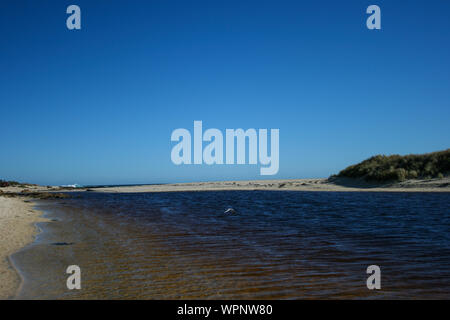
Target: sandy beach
338,185
17,229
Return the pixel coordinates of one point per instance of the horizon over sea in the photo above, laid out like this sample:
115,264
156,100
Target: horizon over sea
278,245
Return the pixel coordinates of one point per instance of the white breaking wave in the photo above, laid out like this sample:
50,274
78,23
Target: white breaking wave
72,185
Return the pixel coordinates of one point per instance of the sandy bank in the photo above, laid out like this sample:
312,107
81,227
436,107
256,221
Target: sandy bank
432,185
17,229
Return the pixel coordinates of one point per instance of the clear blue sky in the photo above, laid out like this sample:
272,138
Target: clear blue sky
97,106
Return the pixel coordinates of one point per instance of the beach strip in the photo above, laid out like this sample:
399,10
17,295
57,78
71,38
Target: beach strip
327,185
17,229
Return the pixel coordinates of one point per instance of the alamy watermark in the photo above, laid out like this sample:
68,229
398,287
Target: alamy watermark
213,152
74,280
374,280
73,22
374,20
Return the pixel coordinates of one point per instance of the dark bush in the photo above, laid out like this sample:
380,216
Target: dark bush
383,168
8,183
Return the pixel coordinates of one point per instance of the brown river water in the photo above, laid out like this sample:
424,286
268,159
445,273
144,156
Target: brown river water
278,245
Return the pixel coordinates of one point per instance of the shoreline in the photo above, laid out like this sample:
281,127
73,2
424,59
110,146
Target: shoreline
314,185
18,228
333,184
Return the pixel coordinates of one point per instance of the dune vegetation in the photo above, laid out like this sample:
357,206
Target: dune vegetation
4,183
394,168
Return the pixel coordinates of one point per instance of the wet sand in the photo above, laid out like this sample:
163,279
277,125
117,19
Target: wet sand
17,229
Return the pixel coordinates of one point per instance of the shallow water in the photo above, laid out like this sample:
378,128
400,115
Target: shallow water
279,244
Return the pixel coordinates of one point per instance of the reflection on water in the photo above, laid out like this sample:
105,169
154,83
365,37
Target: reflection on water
288,245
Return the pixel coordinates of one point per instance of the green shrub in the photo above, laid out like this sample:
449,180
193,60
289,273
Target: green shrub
383,168
412,174
8,183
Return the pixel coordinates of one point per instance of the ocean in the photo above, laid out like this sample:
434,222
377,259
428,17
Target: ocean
277,245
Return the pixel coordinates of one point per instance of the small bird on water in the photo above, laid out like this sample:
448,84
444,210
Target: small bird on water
230,211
